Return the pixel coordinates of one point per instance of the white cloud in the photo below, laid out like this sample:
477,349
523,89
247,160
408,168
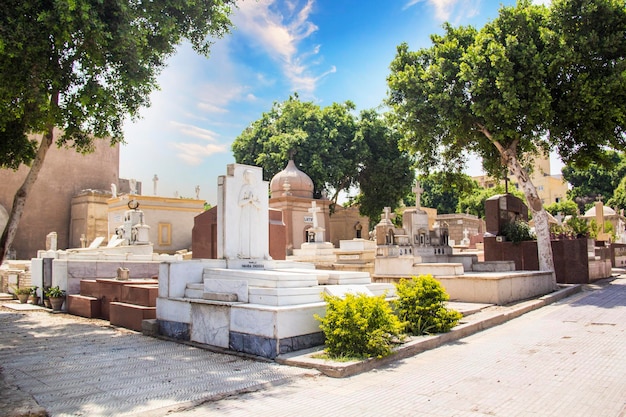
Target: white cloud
280,34
446,10
194,153
195,131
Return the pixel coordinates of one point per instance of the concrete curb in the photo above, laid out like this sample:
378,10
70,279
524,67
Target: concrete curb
470,325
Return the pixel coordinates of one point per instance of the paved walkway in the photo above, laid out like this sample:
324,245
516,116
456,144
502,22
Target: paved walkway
565,359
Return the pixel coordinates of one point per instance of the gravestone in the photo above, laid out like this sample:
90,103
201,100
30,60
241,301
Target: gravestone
242,217
502,209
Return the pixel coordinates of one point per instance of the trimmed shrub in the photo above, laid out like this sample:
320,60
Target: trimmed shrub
359,326
421,305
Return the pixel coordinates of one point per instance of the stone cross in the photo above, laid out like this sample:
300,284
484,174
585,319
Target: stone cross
155,180
387,210
314,210
418,190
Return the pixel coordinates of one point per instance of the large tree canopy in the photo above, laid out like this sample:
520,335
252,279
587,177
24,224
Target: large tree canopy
85,66
598,180
335,148
499,91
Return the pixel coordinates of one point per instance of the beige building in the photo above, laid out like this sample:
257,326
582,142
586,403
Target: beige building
170,220
551,188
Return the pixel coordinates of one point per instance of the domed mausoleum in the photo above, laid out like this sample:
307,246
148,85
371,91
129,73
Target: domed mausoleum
292,192
292,182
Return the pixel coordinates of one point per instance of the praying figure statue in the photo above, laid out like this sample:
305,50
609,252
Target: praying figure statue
250,207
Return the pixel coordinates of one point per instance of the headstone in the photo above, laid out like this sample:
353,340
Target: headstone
243,218
51,241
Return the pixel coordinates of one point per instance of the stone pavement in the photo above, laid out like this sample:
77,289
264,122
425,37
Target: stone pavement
565,359
73,366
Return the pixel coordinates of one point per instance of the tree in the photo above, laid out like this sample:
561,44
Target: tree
565,207
497,91
323,141
599,179
84,67
332,147
386,175
444,190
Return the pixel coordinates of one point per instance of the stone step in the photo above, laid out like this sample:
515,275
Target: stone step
143,295
438,269
194,291
494,266
84,306
130,316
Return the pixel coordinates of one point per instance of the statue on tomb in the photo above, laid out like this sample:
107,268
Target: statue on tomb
113,190
132,183
155,180
250,207
197,192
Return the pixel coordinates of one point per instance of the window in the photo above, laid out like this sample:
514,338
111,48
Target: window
165,234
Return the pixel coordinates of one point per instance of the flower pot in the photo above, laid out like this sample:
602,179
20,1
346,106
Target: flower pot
46,302
23,298
34,300
56,303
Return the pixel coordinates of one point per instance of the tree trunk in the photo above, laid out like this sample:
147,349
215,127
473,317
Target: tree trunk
540,216
22,193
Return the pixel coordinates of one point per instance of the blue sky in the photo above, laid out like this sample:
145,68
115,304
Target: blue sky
328,51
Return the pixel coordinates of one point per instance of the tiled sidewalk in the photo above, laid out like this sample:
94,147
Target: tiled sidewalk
75,366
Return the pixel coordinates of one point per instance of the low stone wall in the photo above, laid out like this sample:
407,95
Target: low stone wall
571,262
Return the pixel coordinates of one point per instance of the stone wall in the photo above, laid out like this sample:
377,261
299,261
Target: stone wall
571,262
64,174
458,223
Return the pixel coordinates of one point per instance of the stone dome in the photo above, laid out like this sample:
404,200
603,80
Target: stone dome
291,181
607,211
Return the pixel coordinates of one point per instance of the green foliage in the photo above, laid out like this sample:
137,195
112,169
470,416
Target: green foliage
517,231
54,292
21,290
421,304
578,226
85,66
386,173
359,326
565,207
333,147
497,92
619,195
599,178
595,229
444,190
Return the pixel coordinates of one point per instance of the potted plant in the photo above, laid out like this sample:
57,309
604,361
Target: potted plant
46,300
22,294
33,298
56,297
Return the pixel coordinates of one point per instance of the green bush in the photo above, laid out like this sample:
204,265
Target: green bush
421,305
517,231
359,326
